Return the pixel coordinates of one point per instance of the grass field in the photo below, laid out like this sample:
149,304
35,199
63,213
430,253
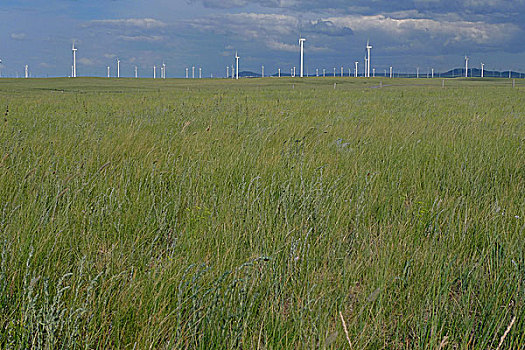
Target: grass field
260,214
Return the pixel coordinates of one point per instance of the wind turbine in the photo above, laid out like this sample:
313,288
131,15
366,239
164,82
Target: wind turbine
279,72
482,69
27,71
108,71
237,65
193,72
432,73
417,72
335,69
368,49
324,73
342,71
374,72
301,44
466,66
200,73
391,71
187,74
356,72
74,72
136,72
227,72
294,71
262,72
164,70
317,72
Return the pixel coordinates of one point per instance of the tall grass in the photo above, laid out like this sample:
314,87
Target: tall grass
176,214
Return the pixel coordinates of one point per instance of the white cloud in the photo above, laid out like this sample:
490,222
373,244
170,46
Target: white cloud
143,23
142,38
87,61
449,31
18,36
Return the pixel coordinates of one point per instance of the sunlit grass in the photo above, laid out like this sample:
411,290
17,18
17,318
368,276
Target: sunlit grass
253,214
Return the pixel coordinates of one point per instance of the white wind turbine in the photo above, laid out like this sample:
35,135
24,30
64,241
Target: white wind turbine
262,71
482,69
27,71
368,49
356,72
237,65
466,66
301,44
136,72
200,73
154,72
279,72
187,74
193,72
118,68
163,70
108,71
227,72
74,72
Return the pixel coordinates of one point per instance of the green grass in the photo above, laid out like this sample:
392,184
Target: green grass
252,214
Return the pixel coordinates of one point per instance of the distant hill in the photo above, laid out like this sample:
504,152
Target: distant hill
453,73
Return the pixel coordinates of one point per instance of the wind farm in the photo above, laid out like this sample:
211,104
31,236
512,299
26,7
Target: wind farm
202,195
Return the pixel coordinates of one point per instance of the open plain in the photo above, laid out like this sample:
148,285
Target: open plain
262,213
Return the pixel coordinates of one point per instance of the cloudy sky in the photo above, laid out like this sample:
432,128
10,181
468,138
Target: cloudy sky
206,33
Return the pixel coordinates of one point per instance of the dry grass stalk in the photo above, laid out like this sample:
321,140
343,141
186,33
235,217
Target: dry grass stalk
506,333
345,329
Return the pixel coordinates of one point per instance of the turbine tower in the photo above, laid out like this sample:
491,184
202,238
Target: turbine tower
136,72
368,49
193,72
108,71
301,44
482,69
74,73
154,72
118,68
164,70
187,75
227,72
466,66
237,65
27,71
355,72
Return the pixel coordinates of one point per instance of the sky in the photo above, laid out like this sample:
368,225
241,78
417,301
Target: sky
405,34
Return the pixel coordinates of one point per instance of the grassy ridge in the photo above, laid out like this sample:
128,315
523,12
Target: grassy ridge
253,214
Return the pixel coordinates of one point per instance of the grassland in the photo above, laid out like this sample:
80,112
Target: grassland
260,214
